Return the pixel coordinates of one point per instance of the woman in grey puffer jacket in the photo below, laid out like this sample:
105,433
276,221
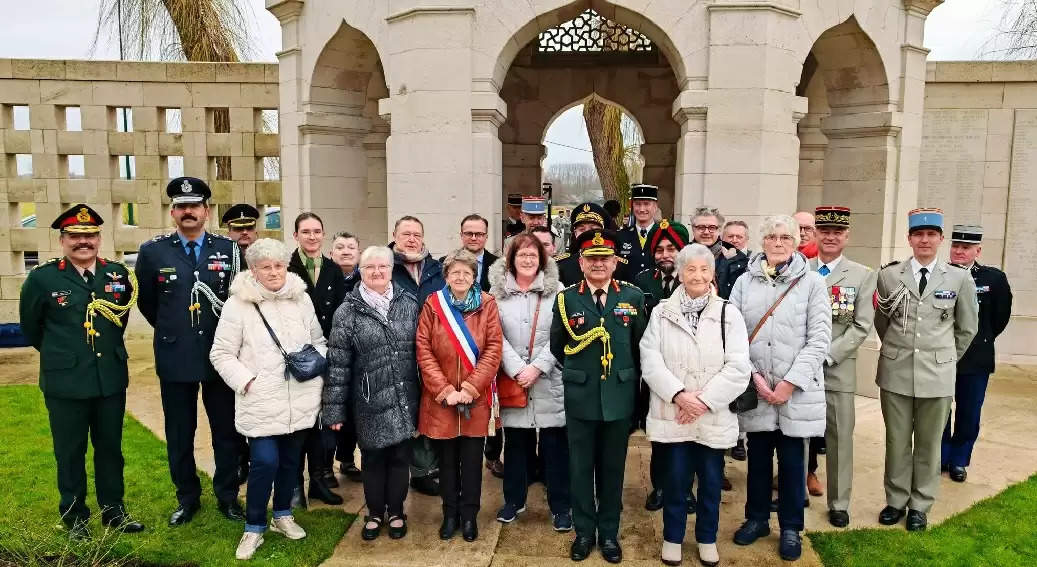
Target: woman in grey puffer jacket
372,364
786,357
523,281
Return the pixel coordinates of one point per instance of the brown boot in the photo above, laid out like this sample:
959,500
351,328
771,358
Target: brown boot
814,485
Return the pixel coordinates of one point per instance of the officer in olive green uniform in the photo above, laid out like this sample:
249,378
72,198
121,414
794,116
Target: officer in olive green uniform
595,333
74,311
851,287
927,316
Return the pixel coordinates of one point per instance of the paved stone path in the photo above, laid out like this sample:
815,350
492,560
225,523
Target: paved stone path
1005,454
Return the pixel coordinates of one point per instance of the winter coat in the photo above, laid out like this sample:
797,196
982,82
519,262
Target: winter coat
791,345
675,358
243,350
431,277
546,399
443,373
327,293
373,369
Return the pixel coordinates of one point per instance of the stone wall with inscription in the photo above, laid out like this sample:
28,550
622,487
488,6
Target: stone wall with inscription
979,164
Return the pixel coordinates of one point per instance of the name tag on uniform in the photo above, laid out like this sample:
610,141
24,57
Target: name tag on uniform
982,289
944,294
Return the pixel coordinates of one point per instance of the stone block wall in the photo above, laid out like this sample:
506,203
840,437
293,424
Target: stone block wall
66,119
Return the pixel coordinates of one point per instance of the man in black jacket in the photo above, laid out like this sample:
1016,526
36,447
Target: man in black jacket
731,263
977,364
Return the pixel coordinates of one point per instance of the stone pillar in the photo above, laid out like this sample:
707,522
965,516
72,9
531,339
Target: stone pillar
289,109
812,147
488,114
429,155
689,110
371,224
752,148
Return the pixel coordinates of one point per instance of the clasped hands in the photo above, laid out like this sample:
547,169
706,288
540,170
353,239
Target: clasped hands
458,397
776,397
689,407
527,377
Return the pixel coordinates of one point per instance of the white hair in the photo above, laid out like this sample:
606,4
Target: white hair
695,251
267,249
770,224
374,252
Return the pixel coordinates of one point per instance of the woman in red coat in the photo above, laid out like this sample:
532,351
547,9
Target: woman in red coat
459,350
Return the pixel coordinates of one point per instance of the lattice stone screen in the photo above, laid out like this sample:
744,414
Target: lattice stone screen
111,134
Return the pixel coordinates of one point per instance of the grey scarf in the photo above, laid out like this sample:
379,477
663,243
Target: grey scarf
692,308
378,301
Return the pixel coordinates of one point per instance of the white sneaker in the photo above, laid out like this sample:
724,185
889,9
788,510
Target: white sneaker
708,554
287,527
250,542
671,554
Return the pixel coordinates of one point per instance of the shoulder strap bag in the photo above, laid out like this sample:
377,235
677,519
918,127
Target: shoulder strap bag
304,364
510,393
749,400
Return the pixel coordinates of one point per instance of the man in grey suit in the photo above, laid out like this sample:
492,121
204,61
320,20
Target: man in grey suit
851,287
927,317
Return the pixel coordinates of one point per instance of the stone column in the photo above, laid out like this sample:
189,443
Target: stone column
488,114
429,155
689,110
289,109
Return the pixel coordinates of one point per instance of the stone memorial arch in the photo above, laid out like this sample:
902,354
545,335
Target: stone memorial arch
438,108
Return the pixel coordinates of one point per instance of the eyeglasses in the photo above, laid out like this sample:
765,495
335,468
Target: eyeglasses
410,235
706,227
473,234
527,256
378,267
785,238
806,228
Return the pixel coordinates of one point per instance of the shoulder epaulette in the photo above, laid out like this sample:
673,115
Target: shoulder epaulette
567,288
47,263
893,263
957,266
628,284
219,236
562,256
116,262
643,271
158,238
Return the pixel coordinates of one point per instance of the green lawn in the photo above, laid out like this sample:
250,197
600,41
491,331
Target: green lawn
29,499
999,531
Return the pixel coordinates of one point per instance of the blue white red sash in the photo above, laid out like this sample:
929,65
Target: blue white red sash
456,330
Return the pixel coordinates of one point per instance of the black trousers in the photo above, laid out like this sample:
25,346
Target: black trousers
180,406
345,442
386,472
494,446
316,457
460,475
554,448
815,446
71,421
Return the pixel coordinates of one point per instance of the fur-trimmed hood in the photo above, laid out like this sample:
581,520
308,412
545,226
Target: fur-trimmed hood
248,289
502,283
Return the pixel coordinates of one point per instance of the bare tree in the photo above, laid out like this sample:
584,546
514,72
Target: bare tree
603,128
1017,35
574,182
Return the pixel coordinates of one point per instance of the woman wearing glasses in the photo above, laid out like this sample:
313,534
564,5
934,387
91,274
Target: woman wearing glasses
788,316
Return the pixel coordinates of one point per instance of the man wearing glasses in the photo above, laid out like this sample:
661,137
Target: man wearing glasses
807,234
473,239
731,263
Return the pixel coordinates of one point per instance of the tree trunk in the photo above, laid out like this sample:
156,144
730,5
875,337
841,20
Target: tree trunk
606,137
202,35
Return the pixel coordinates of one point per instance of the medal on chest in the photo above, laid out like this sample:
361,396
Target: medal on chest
843,298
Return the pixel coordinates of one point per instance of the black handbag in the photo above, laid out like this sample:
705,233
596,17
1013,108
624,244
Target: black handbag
304,364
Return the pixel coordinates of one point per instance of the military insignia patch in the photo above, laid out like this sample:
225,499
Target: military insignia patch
944,294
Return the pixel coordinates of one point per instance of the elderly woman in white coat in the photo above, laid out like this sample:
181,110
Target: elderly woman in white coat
789,305
273,412
525,285
695,360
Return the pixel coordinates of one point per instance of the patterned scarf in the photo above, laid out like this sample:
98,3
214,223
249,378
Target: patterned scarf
471,301
692,308
717,248
378,301
414,263
773,271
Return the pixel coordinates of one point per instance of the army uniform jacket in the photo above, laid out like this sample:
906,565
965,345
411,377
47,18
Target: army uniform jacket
53,309
923,337
995,309
166,275
650,282
593,393
630,249
851,289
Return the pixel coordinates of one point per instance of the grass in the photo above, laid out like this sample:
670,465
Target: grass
29,498
999,531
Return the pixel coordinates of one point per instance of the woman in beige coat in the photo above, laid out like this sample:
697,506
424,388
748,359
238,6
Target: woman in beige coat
695,360
275,411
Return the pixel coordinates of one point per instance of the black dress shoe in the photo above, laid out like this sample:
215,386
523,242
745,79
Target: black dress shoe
122,521
327,476
790,546
298,498
890,516
655,500
231,510
916,521
183,514
839,518
321,492
353,473
427,485
610,550
449,527
959,474
397,533
581,548
368,534
738,451
469,530
751,531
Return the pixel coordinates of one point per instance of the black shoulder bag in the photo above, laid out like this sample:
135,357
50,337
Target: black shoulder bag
304,364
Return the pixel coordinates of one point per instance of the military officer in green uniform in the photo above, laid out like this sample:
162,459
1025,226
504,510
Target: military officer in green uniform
74,311
584,217
851,287
664,240
595,333
927,317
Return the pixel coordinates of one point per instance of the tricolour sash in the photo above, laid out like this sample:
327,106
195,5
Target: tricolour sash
456,330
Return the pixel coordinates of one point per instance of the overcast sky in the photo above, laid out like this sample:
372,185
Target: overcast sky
64,29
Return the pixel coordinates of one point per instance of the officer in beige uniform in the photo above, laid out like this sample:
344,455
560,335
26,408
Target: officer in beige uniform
851,287
927,316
